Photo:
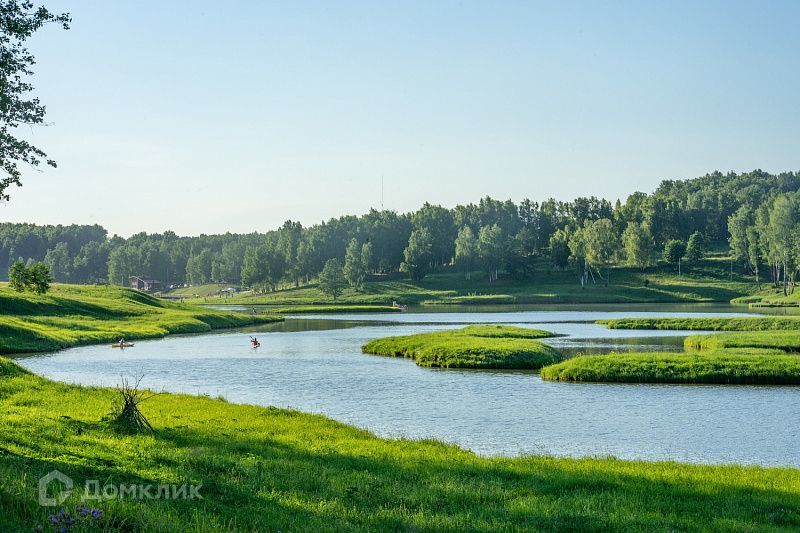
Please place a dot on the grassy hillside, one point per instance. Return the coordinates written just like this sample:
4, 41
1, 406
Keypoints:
709, 281
771, 297
266, 469
71, 315
489, 346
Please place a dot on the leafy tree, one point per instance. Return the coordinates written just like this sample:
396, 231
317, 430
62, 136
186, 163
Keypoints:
332, 281
255, 267
491, 249
354, 269
466, 250
601, 244
577, 252
674, 251
39, 278
18, 276
559, 249
753, 251
520, 253
19, 20
59, 262
418, 255
638, 243
367, 257
439, 225
696, 248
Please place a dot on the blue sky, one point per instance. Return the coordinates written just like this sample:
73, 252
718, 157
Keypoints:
206, 117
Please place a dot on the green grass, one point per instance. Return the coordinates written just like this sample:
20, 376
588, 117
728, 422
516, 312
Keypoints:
771, 297
323, 309
754, 350
71, 315
708, 281
786, 341
753, 366
707, 324
267, 469
488, 346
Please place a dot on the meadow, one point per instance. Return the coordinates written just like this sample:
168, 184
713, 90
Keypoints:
267, 469
708, 281
72, 315
487, 346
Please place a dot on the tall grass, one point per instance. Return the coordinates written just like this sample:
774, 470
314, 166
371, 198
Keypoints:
753, 366
267, 469
786, 341
487, 346
707, 324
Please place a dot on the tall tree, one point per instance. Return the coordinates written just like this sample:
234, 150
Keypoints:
19, 20
466, 250
601, 245
674, 251
638, 243
331, 280
418, 255
491, 249
696, 248
354, 269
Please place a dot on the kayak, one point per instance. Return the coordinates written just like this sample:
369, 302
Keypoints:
125, 345
255, 344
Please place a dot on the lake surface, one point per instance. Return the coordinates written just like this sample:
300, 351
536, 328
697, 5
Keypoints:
314, 363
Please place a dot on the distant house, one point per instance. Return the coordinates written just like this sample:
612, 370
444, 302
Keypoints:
144, 284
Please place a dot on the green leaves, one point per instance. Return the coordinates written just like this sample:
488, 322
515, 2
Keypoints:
18, 22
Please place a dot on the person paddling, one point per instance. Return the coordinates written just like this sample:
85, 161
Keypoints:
254, 342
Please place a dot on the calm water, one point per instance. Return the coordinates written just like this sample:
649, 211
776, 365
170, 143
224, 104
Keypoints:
315, 364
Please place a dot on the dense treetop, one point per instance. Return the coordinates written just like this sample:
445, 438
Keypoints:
756, 211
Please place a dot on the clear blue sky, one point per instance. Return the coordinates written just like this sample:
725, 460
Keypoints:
206, 117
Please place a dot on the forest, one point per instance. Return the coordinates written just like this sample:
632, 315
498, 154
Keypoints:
756, 214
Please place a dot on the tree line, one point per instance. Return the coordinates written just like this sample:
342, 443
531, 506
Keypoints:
755, 212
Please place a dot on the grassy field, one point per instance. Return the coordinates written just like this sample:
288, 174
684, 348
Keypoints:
71, 315
266, 469
709, 281
707, 324
486, 346
752, 366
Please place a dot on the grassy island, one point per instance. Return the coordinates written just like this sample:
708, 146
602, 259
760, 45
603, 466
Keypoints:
758, 351
71, 315
267, 469
753, 367
487, 346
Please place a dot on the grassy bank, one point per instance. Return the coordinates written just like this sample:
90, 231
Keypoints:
786, 341
265, 469
708, 281
471, 347
754, 367
71, 315
770, 297
707, 324
325, 309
